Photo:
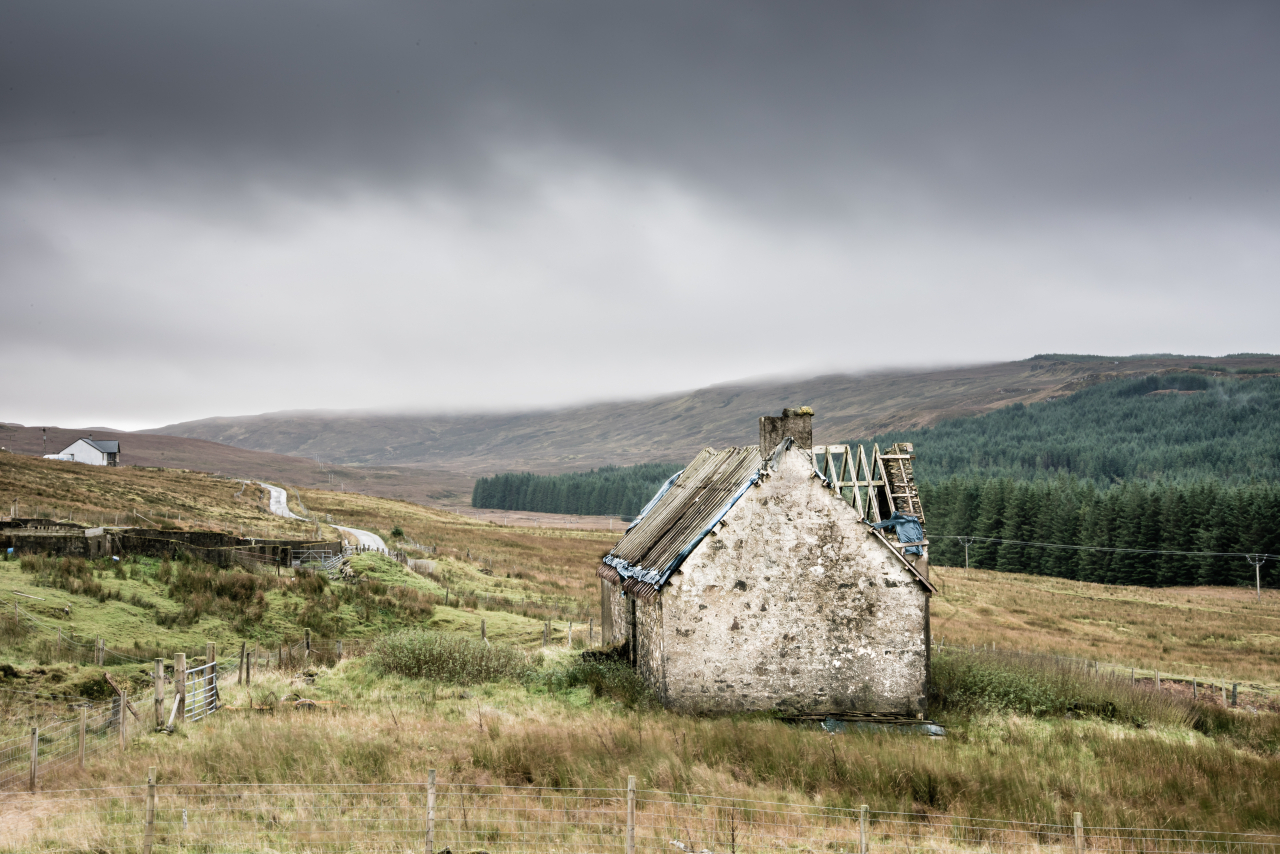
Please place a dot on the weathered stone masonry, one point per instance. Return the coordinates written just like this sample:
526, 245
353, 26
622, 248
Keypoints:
792, 604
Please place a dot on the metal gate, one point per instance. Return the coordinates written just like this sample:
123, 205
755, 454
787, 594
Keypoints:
202, 692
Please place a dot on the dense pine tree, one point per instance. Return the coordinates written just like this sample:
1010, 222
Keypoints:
1178, 517
1170, 427
609, 491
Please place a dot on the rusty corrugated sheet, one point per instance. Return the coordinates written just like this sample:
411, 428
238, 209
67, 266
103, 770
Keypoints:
645, 557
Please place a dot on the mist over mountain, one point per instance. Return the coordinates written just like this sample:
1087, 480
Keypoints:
677, 426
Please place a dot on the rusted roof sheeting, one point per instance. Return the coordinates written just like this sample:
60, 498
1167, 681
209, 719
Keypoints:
645, 557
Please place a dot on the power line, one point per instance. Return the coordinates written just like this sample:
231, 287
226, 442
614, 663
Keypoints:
1246, 555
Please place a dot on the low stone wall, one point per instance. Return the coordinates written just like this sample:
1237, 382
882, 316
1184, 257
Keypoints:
215, 547
86, 543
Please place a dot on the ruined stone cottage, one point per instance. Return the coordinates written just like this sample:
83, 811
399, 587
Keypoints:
781, 577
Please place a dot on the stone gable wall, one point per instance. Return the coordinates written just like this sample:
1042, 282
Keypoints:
792, 605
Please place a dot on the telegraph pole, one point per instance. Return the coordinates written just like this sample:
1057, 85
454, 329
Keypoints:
966, 541
1257, 561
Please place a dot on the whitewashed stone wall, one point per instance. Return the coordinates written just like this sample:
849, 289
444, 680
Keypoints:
791, 605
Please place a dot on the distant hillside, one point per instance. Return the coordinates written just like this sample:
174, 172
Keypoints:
1172, 427
678, 426
143, 449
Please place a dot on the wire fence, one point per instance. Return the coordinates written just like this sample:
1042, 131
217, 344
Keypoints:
89, 729
77, 730
441, 818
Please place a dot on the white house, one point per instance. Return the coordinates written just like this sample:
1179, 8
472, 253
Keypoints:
95, 452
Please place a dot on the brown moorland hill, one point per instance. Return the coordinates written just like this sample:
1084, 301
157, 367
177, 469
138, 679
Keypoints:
675, 427
176, 452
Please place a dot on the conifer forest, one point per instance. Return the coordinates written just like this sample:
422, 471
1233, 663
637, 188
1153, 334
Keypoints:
1177, 462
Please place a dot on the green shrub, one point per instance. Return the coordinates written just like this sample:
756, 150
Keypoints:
72, 574
607, 677
452, 658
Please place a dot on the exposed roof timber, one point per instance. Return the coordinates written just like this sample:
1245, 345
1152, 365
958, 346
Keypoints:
908, 564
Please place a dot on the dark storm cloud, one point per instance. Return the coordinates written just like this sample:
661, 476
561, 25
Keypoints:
234, 207
793, 107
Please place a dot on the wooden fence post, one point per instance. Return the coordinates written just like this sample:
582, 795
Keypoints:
591, 632
150, 834
1195, 689
124, 718
159, 681
257, 655
211, 657
35, 758
338, 649
240, 666
546, 628
180, 684
631, 815
1079, 821
1235, 690
1157, 680
568, 640
863, 847
84, 718
431, 811
484, 634
308, 650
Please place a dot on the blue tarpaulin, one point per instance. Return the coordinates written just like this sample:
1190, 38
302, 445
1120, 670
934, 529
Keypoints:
907, 528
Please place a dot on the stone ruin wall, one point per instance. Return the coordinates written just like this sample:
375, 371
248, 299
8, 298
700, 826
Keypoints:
792, 605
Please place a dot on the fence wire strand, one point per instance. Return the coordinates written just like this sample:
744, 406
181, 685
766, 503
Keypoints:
500, 819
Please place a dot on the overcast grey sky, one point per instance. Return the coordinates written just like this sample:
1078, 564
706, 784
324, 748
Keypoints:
233, 207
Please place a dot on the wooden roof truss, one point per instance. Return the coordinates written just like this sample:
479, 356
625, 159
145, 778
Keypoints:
885, 481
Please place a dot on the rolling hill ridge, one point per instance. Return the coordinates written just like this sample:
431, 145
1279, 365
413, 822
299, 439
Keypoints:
676, 427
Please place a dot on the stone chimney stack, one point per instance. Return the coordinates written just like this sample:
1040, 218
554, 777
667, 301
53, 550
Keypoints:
796, 423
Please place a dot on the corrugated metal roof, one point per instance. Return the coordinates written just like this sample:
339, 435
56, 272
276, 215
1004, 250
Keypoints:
662, 538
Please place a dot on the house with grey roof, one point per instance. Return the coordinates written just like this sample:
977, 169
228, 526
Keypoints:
94, 452
785, 577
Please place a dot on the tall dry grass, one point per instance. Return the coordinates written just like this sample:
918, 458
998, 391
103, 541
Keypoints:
1207, 632
389, 730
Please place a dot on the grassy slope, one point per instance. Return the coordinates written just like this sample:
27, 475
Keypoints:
99, 495
540, 573
544, 564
